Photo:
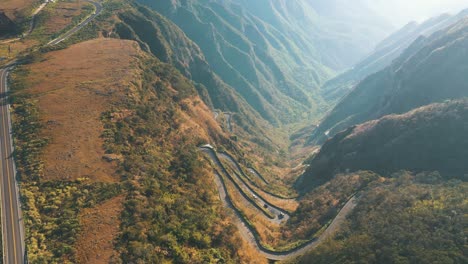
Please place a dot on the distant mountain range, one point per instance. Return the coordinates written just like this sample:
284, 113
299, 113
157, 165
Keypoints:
385, 52
432, 69
273, 54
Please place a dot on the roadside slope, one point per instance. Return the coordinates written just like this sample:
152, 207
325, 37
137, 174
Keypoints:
100, 126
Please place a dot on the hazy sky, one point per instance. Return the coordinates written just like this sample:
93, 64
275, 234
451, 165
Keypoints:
400, 12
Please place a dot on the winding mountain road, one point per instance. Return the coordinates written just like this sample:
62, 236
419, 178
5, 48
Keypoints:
247, 231
249, 198
280, 214
256, 174
72, 31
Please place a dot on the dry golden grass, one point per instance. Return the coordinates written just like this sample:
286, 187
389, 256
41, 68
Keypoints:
17, 4
199, 120
16, 47
100, 227
73, 87
250, 255
58, 16
61, 15
285, 204
13, 7
270, 233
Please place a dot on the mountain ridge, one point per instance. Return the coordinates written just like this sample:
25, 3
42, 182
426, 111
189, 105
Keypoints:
431, 70
273, 59
398, 142
385, 52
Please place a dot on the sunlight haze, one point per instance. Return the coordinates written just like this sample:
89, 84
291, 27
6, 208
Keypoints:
400, 12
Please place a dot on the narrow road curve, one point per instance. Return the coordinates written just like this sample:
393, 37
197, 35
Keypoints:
98, 10
281, 215
256, 173
12, 222
248, 198
247, 232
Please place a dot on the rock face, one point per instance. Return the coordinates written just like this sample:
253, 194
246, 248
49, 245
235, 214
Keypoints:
431, 138
7, 26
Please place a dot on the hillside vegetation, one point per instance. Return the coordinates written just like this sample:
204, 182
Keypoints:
14, 15
431, 138
123, 143
240, 50
407, 167
411, 218
111, 128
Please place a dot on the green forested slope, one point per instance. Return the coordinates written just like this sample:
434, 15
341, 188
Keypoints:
407, 219
275, 54
431, 138
162, 38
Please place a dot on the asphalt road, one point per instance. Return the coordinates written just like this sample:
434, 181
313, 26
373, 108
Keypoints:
12, 222
256, 173
248, 234
276, 211
98, 10
248, 198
